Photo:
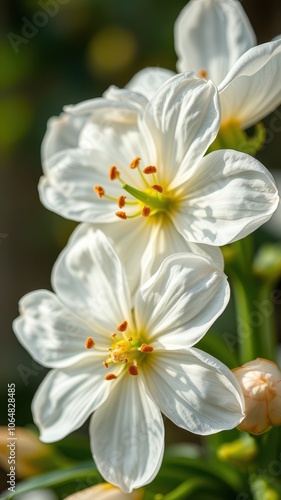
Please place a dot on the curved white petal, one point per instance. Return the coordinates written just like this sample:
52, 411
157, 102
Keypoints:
181, 301
130, 240
183, 119
252, 89
67, 397
195, 390
128, 95
147, 81
54, 335
229, 196
89, 278
211, 35
68, 188
127, 435
62, 133
164, 240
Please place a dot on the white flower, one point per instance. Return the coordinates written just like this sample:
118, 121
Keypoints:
214, 39
126, 360
260, 381
150, 156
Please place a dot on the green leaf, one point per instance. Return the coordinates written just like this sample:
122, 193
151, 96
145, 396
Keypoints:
86, 470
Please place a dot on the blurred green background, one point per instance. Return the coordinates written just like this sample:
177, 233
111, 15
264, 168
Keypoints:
75, 55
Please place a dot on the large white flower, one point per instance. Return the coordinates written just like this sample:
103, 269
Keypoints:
214, 39
145, 160
126, 360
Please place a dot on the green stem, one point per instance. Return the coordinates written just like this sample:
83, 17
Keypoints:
190, 486
267, 330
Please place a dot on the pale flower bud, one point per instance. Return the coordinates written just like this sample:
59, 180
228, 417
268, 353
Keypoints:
105, 491
260, 381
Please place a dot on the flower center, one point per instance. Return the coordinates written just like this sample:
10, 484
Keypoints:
126, 351
260, 385
149, 201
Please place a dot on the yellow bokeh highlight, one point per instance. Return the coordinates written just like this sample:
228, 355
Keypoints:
111, 50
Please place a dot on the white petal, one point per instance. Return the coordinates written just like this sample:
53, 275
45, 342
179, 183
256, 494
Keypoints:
89, 278
195, 390
127, 435
51, 333
129, 239
127, 95
181, 301
164, 240
211, 35
183, 119
252, 89
147, 81
62, 133
67, 397
229, 196
125, 110
68, 187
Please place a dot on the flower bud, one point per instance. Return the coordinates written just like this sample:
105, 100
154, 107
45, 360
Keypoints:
260, 381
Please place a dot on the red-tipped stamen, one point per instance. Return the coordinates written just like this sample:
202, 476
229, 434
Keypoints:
203, 73
133, 370
89, 343
158, 188
146, 348
110, 376
135, 163
123, 327
113, 173
121, 202
121, 215
145, 211
99, 190
150, 169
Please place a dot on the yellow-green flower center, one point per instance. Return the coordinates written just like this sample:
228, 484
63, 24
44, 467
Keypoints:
126, 351
151, 200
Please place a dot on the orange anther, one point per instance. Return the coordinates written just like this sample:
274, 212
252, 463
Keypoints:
202, 73
135, 163
99, 190
89, 343
110, 376
145, 211
150, 169
133, 370
146, 348
113, 173
157, 188
121, 215
105, 364
121, 201
123, 327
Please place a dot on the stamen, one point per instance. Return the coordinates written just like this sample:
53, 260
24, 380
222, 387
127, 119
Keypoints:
146, 348
123, 327
99, 190
121, 201
89, 343
135, 163
113, 173
114, 335
121, 215
110, 376
145, 211
203, 73
158, 188
133, 370
150, 169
